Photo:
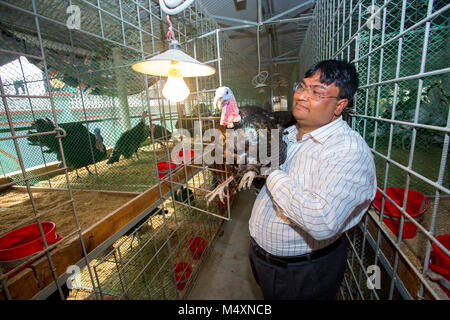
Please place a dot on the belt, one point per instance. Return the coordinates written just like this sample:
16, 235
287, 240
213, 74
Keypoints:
283, 261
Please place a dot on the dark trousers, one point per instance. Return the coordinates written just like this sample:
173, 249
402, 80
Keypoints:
313, 279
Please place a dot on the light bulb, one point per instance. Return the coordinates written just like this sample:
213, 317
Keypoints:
175, 88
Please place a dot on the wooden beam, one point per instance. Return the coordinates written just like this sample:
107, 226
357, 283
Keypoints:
46, 189
22, 282
28, 283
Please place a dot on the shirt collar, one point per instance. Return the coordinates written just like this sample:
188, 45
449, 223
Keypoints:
320, 134
290, 134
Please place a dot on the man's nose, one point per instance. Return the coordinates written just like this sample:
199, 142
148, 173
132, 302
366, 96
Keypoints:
301, 95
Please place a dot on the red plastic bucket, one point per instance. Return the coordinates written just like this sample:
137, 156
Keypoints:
439, 261
416, 205
163, 168
182, 273
25, 241
197, 245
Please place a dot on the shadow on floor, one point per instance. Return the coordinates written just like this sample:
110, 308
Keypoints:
226, 274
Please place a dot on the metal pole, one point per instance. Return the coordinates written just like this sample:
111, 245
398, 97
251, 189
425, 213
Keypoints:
219, 67
271, 70
303, 5
121, 89
64, 25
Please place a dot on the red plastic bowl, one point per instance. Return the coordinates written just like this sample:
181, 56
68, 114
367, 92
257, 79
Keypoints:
188, 154
163, 169
182, 273
197, 245
222, 206
25, 241
439, 261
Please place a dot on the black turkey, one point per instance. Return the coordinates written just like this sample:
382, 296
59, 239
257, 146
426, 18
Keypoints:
254, 127
81, 147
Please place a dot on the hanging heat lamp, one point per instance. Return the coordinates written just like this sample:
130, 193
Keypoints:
175, 65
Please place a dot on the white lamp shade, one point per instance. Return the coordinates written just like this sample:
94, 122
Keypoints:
159, 65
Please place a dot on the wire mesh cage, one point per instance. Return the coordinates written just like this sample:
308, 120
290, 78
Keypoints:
90, 144
401, 109
87, 144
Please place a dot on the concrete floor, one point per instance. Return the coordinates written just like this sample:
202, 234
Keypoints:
226, 273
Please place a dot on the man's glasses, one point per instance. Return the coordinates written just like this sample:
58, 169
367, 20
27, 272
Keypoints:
311, 92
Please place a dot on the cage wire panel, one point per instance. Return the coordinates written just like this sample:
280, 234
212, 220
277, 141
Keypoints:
82, 134
401, 108
70, 100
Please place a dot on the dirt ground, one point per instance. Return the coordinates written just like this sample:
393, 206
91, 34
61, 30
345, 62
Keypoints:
91, 206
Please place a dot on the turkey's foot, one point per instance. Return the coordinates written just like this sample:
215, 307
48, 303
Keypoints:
218, 191
247, 180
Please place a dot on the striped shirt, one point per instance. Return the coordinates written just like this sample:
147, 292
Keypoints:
322, 189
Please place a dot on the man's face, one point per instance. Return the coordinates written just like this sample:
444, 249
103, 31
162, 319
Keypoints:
313, 113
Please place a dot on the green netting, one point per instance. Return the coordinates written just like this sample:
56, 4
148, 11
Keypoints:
87, 86
94, 89
117, 125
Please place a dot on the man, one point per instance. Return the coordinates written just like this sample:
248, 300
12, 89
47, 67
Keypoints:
326, 184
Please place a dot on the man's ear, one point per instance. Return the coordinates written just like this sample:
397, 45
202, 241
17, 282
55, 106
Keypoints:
342, 103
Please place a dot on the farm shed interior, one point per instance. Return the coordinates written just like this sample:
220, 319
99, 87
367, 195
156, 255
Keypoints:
136, 230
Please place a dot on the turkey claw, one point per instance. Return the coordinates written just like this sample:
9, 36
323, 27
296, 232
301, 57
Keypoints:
247, 180
218, 191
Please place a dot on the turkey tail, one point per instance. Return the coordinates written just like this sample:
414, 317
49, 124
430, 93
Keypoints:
49, 141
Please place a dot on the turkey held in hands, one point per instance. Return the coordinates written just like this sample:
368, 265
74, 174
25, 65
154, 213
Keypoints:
255, 127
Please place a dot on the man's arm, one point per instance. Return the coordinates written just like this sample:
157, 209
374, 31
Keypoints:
345, 184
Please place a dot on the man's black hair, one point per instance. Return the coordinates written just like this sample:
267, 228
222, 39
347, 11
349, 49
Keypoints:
342, 73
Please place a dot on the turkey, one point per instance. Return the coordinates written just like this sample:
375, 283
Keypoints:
254, 126
81, 148
159, 133
130, 141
